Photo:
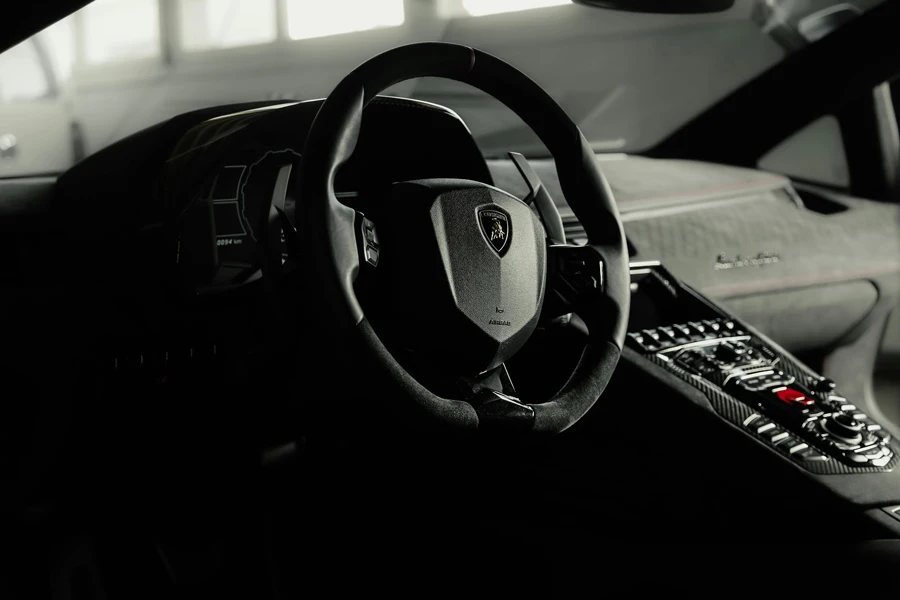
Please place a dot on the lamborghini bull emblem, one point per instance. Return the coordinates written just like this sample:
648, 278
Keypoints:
496, 228
497, 231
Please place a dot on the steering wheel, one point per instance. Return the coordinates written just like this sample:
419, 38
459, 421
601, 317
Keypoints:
467, 270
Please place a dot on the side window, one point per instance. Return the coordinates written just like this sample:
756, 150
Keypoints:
22, 78
815, 153
34, 125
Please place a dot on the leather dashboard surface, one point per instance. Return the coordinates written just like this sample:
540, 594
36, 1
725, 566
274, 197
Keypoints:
643, 184
745, 238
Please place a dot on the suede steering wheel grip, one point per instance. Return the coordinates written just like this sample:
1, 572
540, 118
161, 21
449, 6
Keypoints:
329, 227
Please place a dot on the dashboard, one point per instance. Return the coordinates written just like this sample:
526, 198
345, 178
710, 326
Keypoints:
211, 193
200, 206
220, 185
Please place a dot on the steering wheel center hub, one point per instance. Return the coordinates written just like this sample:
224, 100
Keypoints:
465, 266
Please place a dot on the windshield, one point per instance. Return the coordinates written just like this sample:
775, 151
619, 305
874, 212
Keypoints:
628, 79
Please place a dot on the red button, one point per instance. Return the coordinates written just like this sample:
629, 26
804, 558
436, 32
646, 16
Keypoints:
792, 396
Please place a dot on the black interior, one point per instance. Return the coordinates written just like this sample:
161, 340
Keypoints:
189, 421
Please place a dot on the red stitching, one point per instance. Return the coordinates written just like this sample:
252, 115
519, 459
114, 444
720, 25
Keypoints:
790, 283
711, 190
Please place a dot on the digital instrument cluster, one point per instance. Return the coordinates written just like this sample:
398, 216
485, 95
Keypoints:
242, 198
232, 224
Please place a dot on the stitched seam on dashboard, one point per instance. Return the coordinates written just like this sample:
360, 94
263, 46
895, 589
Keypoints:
400, 104
715, 189
790, 283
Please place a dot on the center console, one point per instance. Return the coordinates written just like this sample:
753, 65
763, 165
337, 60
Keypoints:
751, 382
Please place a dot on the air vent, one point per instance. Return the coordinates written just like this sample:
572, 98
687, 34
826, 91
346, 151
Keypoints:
819, 202
575, 233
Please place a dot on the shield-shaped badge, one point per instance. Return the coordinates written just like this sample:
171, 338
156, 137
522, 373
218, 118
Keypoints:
496, 228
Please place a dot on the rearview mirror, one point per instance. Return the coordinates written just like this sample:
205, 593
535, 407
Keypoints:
676, 7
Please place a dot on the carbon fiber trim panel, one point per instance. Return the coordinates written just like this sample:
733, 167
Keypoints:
736, 412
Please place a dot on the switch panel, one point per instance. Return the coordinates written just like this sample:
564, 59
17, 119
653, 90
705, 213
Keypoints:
801, 415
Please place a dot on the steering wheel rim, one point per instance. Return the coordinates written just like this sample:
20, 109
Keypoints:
330, 230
